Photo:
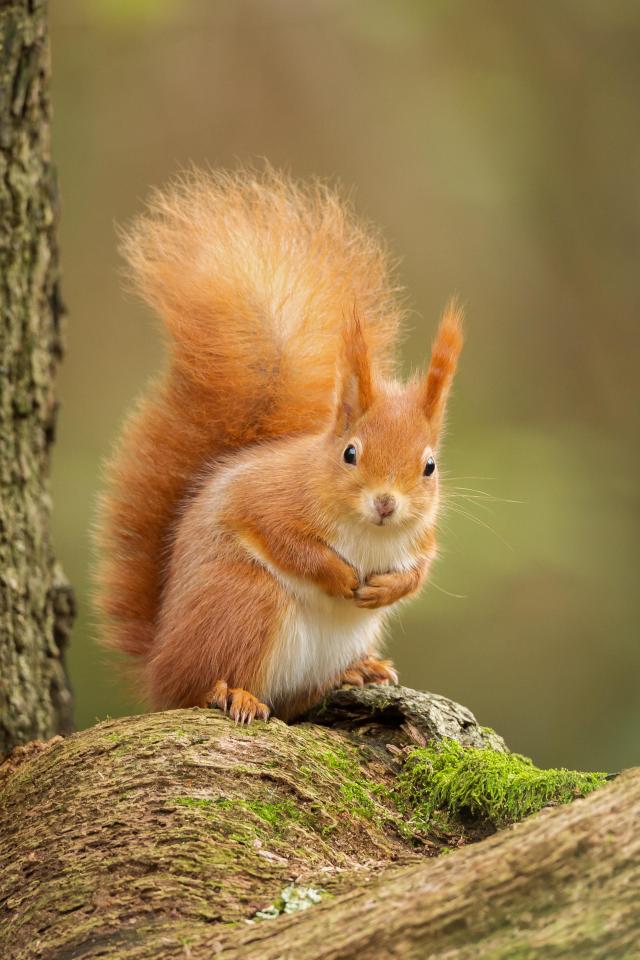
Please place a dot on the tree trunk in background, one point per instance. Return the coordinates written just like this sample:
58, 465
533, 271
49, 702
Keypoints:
36, 604
179, 836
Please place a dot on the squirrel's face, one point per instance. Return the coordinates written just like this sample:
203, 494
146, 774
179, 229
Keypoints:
385, 464
385, 436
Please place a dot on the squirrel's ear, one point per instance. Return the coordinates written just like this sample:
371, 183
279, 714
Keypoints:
444, 360
356, 389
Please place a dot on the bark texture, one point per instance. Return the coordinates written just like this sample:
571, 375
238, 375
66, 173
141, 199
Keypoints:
564, 884
36, 605
171, 835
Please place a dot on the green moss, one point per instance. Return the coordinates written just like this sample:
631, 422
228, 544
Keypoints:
339, 758
201, 802
360, 796
254, 729
499, 787
278, 815
359, 800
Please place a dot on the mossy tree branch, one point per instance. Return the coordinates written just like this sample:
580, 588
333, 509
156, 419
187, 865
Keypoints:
166, 835
564, 884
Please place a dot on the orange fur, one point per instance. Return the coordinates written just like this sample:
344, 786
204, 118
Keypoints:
233, 527
444, 361
370, 670
252, 276
356, 388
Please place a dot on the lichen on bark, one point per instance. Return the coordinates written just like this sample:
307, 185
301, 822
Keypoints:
36, 604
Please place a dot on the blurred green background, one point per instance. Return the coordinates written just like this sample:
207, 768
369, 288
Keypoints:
497, 144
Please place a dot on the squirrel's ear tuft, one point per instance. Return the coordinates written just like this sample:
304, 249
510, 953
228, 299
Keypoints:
444, 360
356, 388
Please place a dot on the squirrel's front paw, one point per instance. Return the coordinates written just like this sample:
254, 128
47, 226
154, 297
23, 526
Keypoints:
370, 670
340, 580
241, 705
381, 589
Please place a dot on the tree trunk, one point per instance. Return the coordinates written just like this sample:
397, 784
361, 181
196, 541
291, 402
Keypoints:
36, 605
180, 835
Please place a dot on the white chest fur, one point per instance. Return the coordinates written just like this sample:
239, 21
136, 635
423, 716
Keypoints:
372, 549
320, 636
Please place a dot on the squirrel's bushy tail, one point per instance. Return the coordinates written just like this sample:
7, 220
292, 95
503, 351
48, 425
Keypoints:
254, 277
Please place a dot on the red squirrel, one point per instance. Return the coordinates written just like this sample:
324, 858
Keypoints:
274, 495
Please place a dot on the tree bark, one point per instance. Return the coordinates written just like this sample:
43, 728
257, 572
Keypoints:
36, 605
173, 835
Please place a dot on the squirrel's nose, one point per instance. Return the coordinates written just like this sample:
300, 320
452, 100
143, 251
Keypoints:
385, 504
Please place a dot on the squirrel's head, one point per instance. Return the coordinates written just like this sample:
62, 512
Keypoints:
385, 438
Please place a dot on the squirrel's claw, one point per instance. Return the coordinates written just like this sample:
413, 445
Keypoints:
218, 696
241, 705
370, 670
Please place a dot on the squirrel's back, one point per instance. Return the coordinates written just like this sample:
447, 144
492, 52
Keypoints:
254, 277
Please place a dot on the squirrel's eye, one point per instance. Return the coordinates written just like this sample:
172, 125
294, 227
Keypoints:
429, 467
350, 455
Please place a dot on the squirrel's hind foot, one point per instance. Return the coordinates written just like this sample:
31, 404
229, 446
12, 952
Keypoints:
241, 705
369, 670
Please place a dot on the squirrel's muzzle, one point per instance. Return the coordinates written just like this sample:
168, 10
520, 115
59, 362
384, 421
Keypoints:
385, 505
